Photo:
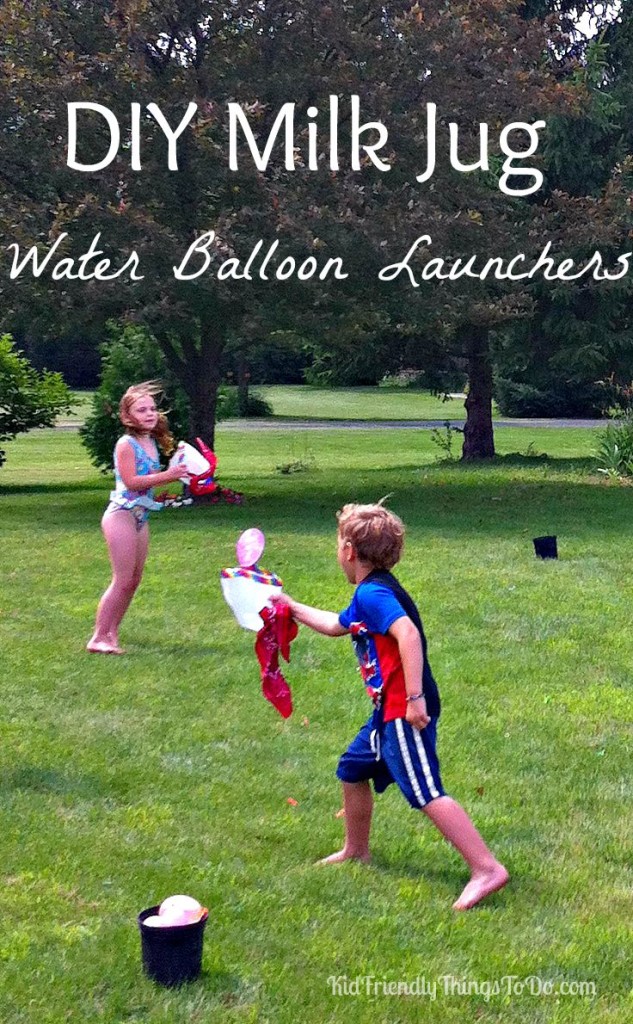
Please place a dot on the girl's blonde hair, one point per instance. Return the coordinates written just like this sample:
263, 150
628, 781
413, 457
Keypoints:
375, 533
161, 432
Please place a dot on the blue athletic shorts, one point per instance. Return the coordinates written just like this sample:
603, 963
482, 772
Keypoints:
395, 752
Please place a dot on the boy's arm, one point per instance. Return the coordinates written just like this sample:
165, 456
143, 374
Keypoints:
404, 631
318, 619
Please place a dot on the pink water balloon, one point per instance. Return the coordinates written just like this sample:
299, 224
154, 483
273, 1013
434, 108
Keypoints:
249, 547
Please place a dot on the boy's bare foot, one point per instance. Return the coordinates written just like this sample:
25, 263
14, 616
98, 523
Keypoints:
341, 855
482, 884
103, 647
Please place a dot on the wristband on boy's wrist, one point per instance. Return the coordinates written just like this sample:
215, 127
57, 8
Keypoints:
415, 696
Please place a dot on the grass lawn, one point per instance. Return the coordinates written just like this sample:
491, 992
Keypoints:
304, 402
81, 408
388, 403
124, 780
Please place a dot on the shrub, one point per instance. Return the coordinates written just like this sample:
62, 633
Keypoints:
229, 406
28, 399
445, 438
404, 379
561, 398
341, 369
131, 355
615, 446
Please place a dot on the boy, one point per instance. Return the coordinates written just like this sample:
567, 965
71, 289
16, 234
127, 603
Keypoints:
398, 743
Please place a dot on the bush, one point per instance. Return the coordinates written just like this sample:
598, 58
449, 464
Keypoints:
229, 407
341, 369
414, 379
28, 399
615, 446
560, 399
130, 356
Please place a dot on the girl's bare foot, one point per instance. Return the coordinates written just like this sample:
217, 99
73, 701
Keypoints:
482, 884
338, 858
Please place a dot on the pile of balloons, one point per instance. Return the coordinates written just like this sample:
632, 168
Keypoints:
176, 911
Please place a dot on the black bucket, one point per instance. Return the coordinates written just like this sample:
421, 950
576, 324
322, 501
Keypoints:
545, 547
172, 956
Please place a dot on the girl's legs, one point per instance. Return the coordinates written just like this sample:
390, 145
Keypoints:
127, 547
487, 874
142, 547
358, 804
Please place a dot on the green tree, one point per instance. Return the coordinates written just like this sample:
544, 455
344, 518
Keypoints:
477, 62
28, 399
582, 333
130, 355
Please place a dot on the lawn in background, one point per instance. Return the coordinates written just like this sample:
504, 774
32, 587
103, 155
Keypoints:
304, 402
80, 409
301, 401
377, 403
127, 779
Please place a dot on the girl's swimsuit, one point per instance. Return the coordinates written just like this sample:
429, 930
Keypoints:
139, 503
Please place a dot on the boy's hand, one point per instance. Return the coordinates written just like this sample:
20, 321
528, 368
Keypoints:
417, 715
282, 598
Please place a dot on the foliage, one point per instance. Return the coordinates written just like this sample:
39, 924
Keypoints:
357, 369
482, 64
300, 456
556, 398
592, 133
581, 332
279, 358
75, 356
406, 378
229, 404
130, 356
28, 399
615, 446
445, 438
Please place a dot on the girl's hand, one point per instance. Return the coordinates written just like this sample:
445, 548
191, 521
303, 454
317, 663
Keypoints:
174, 473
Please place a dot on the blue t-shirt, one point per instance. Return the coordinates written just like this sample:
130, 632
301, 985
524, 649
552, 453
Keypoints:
378, 602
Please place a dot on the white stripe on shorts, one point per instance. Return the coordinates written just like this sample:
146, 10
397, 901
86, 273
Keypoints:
424, 761
406, 757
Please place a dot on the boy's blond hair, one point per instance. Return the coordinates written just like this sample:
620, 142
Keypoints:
375, 533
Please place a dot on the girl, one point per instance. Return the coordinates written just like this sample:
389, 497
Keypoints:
124, 523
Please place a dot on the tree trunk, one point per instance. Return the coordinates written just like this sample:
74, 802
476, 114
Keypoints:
243, 381
478, 433
196, 366
202, 391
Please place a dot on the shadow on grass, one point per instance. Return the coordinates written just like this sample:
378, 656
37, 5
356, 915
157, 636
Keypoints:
176, 648
457, 501
497, 498
451, 878
49, 780
227, 988
584, 465
452, 875
54, 488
